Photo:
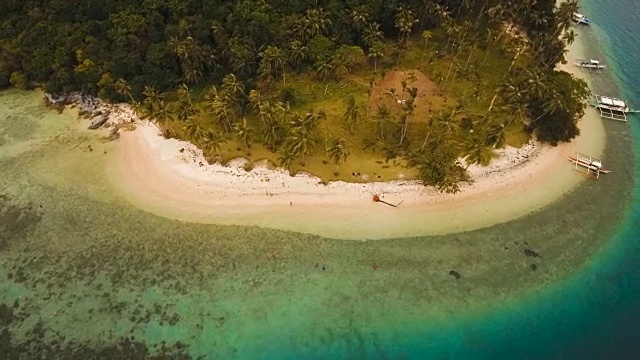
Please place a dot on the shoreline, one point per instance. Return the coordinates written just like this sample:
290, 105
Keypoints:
153, 174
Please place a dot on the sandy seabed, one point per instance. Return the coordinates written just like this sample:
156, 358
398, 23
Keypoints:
171, 178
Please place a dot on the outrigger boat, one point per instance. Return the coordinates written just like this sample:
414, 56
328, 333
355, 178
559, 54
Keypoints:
581, 19
99, 121
590, 64
612, 108
587, 165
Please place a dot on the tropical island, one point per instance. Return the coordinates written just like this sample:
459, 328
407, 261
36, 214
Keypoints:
412, 89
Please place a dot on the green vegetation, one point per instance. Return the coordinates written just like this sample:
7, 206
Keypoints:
390, 89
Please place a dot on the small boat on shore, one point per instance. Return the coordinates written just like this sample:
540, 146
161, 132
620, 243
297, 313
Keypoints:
612, 108
590, 64
587, 165
99, 121
581, 19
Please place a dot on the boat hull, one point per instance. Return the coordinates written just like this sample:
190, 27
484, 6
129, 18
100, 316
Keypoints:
590, 66
626, 110
98, 122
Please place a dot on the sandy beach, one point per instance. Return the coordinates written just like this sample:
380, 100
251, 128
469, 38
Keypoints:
170, 178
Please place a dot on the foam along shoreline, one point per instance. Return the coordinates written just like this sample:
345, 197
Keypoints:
171, 178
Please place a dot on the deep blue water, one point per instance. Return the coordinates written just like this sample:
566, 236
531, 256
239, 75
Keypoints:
595, 314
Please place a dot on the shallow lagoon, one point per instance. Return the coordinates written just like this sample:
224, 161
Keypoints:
101, 275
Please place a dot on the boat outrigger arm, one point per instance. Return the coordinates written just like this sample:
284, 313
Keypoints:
587, 165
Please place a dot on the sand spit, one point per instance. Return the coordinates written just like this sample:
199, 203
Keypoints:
171, 178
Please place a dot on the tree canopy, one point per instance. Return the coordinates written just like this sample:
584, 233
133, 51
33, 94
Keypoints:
68, 45
176, 60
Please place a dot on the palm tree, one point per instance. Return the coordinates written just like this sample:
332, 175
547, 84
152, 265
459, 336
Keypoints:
255, 99
569, 37
519, 111
222, 111
496, 134
151, 97
213, 142
512, 92
193, 130
564, 14
300, 144
162, 114
123, 88
286, 158
308, 123
338, 67
297, 54
272, 64
316, 22
232, 88
244, 134
430, 123
408, 109
353, 114
338, 151
323, 69
382, 117
283, 111
375, 53
404, 22
372, 34
477, 151
192, 75
442, 124
535, 83
358, 18
426, 35
271, 128
185, 104
185, 110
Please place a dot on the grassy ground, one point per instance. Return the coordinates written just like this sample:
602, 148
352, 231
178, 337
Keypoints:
428, 73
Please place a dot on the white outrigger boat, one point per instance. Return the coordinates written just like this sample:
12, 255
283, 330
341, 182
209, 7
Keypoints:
587, 165
612, 108
581, 19
590, 64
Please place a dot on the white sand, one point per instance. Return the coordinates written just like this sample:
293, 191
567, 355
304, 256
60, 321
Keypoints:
156, 176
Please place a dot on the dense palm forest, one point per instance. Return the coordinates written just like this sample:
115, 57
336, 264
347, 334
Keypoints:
269, 71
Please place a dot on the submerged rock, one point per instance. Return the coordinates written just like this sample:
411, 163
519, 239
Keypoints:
455, 274
531, 253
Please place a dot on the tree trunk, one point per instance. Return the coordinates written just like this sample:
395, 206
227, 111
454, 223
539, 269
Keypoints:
492, 101
466, 66
448, 73
302, 161
426, 139
335, 169
424, 50
405, 127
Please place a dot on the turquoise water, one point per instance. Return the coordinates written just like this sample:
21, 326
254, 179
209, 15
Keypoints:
595, 313
103, 279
